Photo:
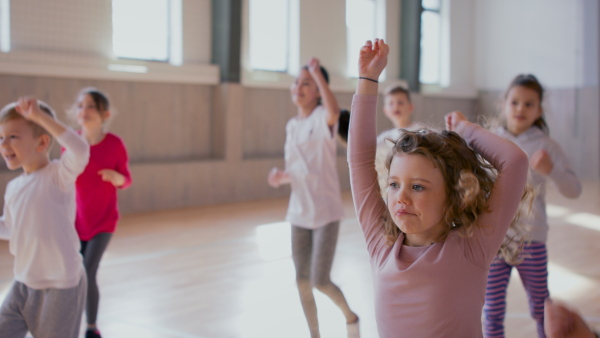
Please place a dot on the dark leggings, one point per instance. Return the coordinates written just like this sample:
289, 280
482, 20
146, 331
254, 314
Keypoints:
92, 252
313, 251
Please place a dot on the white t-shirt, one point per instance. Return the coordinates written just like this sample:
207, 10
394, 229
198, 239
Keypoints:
311, 162
39, 220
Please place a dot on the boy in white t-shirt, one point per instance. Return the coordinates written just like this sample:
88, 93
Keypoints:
398, 108
48, 293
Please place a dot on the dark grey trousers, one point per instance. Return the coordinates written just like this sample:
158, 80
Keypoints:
92, 252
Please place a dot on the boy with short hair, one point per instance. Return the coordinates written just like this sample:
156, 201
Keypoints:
398, 108
48, 294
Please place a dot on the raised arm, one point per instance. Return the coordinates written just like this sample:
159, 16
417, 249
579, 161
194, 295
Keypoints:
328, 99
362, 145
512, 166
77, 151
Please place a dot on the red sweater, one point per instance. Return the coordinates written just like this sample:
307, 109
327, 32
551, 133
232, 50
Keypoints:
97, 209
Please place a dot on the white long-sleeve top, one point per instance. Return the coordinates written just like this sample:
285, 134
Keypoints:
562, 175
39, 219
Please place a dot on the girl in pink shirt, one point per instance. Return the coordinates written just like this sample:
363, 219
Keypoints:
446, 215
96, 190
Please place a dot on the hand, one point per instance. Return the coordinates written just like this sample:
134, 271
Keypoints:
453, 119
373, 59
275, 177
28, 107
112, 176
314, 67
561, 322
541, 162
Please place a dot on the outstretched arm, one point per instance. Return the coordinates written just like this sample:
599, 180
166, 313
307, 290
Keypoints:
75, 157
278, 177
329, 101
362, 145
29, 108
512, 166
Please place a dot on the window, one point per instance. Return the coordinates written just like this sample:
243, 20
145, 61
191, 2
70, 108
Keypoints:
430, 42
269, 35
360, 27
147, 30
4, 26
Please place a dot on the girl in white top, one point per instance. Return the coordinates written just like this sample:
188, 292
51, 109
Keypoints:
315, 207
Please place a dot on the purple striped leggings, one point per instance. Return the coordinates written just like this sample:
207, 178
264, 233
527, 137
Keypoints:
534, 275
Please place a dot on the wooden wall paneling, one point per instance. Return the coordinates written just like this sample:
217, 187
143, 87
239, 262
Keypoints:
265, 115
192, 145
433, 110
253, 185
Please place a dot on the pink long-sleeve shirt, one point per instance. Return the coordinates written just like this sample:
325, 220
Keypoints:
97, 208
436, 290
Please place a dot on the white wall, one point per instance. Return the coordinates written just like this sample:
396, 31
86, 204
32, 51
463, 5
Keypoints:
542, 37
557, 41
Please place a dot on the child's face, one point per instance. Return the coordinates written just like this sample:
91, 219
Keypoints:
304, 90
18, 146
397, 108
87, 112
521, 109
416, 198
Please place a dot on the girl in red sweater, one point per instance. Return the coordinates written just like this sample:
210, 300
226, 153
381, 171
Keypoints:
96, 190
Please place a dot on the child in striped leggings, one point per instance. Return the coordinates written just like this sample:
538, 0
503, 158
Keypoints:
525, 126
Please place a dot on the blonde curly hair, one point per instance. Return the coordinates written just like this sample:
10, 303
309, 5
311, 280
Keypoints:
469, 180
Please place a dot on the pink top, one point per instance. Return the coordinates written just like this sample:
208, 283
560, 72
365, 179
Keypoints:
97, 209
436, 290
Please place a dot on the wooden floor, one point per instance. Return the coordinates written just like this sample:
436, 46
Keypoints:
226, 271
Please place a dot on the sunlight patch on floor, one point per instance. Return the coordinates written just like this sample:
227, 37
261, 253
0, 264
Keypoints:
274, 240
566, 284
555, 211
584, 219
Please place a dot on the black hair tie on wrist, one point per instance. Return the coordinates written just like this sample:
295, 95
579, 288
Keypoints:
366, 78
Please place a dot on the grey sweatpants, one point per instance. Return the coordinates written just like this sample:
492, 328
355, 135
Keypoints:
313, 251
47, 313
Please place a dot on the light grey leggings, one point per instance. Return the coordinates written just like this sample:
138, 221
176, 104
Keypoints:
92, 252
312, 251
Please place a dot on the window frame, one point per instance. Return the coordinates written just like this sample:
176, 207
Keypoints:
174, 36
438, 12
286, 68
